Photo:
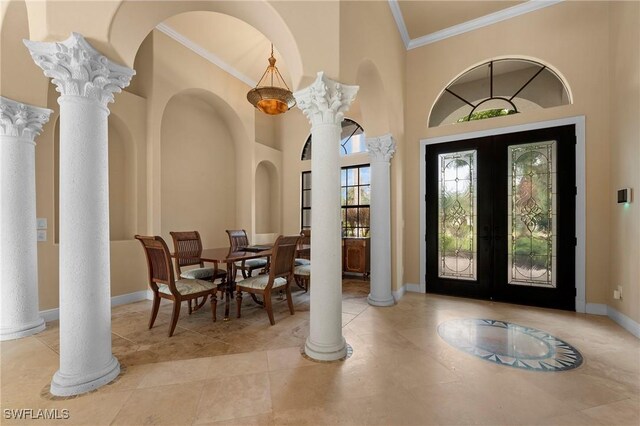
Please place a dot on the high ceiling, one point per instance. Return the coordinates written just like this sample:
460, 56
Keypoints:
234, 42
243, 51
426, 17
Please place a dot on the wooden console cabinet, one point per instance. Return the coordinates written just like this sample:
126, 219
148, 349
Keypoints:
355, 255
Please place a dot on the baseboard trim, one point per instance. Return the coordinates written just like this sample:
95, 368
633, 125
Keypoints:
54, 314
413, 287
596, 308
624, 321
397, 294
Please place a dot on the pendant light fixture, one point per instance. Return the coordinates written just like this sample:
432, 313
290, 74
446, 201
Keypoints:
271, 99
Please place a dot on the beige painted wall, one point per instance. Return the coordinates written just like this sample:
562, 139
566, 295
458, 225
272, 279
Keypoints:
573, 37
267, 214
624, 58
197, 151
373, 56
20, 78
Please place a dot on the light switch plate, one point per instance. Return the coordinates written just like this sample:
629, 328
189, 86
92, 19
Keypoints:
42, 235
41, 223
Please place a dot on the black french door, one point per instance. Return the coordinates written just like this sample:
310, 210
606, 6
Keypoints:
500, 217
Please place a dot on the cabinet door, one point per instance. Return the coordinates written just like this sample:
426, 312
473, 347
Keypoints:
354, 259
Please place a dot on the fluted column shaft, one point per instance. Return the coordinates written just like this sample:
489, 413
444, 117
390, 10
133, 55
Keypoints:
324, 103
19, 125
86, 81
381, 149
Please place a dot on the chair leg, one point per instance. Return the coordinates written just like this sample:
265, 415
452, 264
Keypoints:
239, 301
245, 275
174, 317
214, 305
289, 300
154, 309
299, 281
268, 307
255, 299
190, 308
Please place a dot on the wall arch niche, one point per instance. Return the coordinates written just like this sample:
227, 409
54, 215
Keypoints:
198, 157
373, 99
122, 181
499, 87
267, 199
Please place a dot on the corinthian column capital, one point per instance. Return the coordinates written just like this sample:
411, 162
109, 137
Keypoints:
80, 70
325, 101
381, 148
21, 120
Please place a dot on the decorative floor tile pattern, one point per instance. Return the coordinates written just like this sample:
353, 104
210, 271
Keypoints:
511, 345
400, 371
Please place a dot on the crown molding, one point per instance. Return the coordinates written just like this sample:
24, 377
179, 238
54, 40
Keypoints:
402, 27
201, 51
474, 24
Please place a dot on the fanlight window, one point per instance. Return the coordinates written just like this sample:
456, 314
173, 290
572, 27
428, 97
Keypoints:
351, 140
497, 88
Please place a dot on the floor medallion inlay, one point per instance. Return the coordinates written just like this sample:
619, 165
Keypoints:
509, 344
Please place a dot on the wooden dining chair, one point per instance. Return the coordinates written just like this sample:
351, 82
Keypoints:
305, 256
302, 275
279, 277
164, 285
187, 249
238, 239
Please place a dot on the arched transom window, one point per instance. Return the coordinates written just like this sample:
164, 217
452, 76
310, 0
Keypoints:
351, 140
496, 88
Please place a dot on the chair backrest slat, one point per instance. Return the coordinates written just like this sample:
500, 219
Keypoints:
158, 261
188, 249
237, 238
282, 256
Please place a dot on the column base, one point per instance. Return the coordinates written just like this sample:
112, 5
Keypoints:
23, 330
390, 301
63, 385
325, 353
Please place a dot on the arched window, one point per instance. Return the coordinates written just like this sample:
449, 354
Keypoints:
496, 88
351, 140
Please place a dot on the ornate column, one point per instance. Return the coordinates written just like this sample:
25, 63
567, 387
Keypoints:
381, 149
19, 125
324, 103
86, 81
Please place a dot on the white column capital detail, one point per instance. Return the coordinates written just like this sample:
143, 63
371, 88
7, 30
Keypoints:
381, 148
325, 101
21, 120
77, 69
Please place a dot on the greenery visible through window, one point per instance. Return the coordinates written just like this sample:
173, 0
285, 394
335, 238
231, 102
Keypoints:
496, 88
355, 195
488, 113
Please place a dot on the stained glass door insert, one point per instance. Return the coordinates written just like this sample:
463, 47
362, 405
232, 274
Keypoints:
531, 218
457, 215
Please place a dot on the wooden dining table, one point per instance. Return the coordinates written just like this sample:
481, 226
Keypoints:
226, 255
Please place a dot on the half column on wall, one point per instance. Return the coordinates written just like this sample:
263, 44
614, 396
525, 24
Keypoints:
19, 125
324, 103
86, 81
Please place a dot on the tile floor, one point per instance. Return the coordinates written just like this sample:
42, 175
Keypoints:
401, 372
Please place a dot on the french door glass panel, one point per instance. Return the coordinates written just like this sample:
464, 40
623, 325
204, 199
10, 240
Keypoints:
457, 215
532, 226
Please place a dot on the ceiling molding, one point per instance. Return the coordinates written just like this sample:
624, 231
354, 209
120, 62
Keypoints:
209, 56
474, 24
402, 27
